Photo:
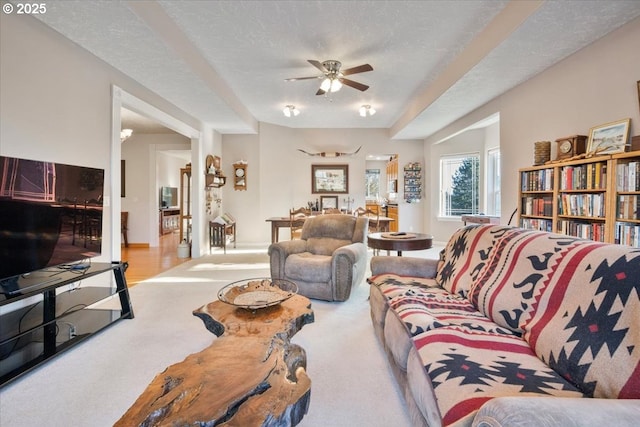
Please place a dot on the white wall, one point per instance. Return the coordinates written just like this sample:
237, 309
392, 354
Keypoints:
593, 86
279, 176
56, 105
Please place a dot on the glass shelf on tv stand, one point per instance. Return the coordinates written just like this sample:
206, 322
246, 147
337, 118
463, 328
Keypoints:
55, 319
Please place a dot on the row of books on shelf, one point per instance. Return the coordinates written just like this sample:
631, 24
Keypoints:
593, 231
590, 205
537, 224
628, 176
539, 206
537, 180
584, 177
627, 234
629, 206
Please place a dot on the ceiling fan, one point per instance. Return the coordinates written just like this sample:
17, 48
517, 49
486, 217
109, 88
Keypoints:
333, 78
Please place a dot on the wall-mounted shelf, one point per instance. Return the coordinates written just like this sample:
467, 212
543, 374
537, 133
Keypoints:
213, 176
215, 180
413, 182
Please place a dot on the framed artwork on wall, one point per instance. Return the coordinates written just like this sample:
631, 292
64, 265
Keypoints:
330, 179
328, 202
609, 138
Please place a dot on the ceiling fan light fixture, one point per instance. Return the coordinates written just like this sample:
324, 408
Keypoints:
326, 84
290, 110
367, 110
331, 84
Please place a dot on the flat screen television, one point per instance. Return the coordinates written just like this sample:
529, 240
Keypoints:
168, 197
50, 217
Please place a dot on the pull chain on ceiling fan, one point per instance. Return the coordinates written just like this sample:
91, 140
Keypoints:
332, 78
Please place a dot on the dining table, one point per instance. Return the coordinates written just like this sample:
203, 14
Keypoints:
278, 222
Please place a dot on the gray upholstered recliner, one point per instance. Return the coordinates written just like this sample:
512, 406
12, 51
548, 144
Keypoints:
327, 261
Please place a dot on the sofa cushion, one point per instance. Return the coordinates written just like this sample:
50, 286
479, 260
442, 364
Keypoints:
468, 367
586, 324
422, 307
465, 255
519, 267
576, 301
308, 267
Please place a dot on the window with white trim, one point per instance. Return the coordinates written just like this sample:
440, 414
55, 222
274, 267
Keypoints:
372, 184
493, 182
459, 185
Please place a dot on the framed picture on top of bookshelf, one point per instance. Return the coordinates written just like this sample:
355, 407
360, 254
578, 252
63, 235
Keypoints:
609, 138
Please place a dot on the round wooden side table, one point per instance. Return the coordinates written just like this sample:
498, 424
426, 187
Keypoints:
400, 242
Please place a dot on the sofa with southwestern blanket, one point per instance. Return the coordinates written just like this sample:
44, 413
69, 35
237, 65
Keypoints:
513, 327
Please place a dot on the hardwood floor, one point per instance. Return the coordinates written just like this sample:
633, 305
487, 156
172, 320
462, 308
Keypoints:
146, 262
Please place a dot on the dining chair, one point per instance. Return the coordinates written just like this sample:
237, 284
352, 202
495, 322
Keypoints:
374, 218
297, 218
359, 211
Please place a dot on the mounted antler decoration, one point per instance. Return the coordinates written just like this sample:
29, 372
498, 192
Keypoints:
330, 154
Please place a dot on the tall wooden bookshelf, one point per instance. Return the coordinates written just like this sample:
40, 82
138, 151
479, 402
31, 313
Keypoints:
596, 198
626, 199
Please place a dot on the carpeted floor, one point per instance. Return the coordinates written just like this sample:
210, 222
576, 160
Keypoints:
96, 382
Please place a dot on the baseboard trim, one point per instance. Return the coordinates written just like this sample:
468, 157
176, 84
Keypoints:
136, 245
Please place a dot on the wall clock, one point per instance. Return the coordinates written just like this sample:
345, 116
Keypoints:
240, 176
570, 146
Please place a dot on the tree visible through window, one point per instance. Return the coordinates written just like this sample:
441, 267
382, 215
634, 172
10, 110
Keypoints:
459, 185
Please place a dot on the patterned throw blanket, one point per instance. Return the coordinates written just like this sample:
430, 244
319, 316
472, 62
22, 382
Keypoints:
515, 312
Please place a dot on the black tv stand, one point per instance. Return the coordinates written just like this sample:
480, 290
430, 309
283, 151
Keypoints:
50, 319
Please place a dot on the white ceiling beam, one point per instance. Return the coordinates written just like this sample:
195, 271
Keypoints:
173, 37
498, 30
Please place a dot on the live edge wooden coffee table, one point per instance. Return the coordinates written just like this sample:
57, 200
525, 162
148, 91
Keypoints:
251, 375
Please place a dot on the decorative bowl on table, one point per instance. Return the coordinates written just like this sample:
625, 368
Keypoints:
253, 294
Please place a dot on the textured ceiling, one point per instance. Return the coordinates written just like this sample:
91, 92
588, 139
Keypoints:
225, 62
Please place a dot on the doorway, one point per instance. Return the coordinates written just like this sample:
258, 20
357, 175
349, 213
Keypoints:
381, 191
148, 197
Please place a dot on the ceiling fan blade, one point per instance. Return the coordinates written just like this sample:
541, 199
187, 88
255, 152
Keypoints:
320, 92
359, 69
293, 79
317, 64
353, 84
